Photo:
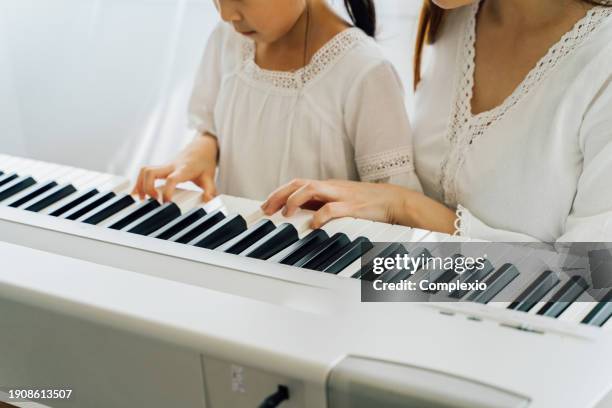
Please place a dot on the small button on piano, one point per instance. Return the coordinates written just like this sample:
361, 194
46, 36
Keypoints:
142, 303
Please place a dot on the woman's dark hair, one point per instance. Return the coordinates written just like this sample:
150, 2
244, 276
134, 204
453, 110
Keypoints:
363, 15
430, 22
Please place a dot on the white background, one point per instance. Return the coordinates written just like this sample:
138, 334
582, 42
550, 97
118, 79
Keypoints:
104, 84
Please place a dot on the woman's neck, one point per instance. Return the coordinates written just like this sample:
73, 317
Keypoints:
532, 14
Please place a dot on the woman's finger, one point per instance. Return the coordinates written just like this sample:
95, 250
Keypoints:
312, 191
329, 212
279, 197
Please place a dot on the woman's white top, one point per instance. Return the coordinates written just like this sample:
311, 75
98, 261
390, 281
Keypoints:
538, 167
342, 116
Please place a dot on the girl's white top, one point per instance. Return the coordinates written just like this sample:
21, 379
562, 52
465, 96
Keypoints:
343, 116
537, 167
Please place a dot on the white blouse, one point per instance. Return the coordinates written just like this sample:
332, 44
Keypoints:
342, 116
536, 168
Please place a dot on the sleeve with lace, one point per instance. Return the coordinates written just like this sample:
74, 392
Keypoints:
590, 219
591, 216
377, 124
206, 85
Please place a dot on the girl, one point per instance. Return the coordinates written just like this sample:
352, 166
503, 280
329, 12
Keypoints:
288, 89
512, 126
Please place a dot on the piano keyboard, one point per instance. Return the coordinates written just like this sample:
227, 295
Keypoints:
237, 226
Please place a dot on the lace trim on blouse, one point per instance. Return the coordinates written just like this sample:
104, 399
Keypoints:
460, 222
321, 60
385, 164
464, 128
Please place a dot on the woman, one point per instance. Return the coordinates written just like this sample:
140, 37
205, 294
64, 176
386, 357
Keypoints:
512, 129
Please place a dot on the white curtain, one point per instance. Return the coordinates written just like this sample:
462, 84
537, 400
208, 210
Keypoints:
104, 84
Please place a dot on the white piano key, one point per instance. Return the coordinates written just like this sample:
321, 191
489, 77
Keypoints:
440, 237
413, 235
28, 166
97, 180
391, 234
88, 179
337, 225
14, 163
579, 309
188, 200
357, 228
300, 220
66, 175
249, 209
116, 184
4, 160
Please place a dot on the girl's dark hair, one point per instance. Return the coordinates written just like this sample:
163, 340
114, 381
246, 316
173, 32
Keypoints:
430, 22
363, 15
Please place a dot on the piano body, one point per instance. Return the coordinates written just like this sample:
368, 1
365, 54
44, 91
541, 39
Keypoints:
133, 304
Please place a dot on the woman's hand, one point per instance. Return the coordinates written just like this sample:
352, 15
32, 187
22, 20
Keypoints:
377, 202
196, 163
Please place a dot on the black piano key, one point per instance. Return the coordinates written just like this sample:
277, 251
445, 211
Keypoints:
366, 271
561, 300
248, 237
471, 276
155, 220
600, 313
38, 191
198, 228
179, 224
324, 252
88, 205
141, 209
350, 254
351, 248
17, 185
495, 284
299, 249
7, 178
273, 243
78, 200
535, 292
222, 232
51, 197
109, 209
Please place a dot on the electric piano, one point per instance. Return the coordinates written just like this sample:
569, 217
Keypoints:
137, 303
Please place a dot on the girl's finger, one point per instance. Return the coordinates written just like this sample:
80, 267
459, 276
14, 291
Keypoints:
279, 197
209, 187
172, 181
329, 212
152, 174
137, 186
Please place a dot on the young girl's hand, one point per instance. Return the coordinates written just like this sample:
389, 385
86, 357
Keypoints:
377, 202
196, 163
